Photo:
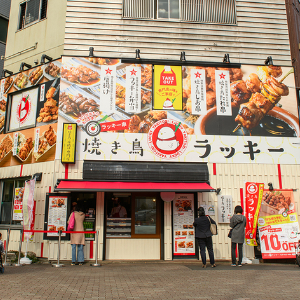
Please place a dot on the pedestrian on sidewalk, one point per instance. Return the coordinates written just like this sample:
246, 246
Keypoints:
1, 244
204, 237
78, 239
238, 224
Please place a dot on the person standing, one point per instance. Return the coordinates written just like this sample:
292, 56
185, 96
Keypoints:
78, 239
237, 223
204, 237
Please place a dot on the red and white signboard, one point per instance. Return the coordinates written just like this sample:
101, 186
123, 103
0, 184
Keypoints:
278, 224
254, 192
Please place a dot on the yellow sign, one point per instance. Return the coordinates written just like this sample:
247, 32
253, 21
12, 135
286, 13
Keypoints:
167, 87
69, 143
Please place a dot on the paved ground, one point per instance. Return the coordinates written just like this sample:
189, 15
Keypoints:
151, 280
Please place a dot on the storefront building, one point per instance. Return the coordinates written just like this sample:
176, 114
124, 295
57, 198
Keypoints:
143, 139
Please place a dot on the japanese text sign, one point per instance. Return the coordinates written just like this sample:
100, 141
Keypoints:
133, 89
254, 193
167, 87
69, 143
223, 98
225, 208
198, 91
108, 88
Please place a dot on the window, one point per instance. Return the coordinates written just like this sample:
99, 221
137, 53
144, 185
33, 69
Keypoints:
32, 11
200, 11
3, 29
135, 215
6, 207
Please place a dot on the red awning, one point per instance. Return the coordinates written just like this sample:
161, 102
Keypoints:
107, 186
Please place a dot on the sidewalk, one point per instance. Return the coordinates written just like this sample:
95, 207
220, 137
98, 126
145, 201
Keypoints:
151, 280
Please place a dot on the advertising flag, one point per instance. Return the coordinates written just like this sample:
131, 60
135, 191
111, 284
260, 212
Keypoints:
254, 193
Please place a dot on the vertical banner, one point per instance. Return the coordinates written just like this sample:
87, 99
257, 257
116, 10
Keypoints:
18, 204
183, 219
254, 194
133, 89
198, 91
28, 207
68, 152
278, 224
108, 88
223, 98
2, 82
225, 208
167, 87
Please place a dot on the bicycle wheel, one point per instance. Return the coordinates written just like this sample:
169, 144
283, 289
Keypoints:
298, 260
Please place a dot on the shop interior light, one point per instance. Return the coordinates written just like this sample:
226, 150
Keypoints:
91, 54
45, 56
137, 54
218, 190
269, 61
10, 73
22, 65
226, 58
182, 56
270, 186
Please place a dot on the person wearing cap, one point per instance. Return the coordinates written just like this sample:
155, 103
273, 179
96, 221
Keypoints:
204, 237
118, 211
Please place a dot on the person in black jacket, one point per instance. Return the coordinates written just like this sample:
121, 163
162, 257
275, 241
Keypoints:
204, 237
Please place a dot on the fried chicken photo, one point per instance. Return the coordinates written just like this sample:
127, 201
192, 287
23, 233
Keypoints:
50, 136
3, 105
50, 110
26, 149
52, 70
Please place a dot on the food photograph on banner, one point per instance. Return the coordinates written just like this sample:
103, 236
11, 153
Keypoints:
29, 114
148, 112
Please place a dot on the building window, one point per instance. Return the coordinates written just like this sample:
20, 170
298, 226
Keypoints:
32, 11
7, 203
200, 11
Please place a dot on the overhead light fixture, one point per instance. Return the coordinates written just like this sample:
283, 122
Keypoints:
218, 190
45, 56
10, 73
226, 58
269, 61
137, 54
270, 186
22, 65
91, 54
182, 56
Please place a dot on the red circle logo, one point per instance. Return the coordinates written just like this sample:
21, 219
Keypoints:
23, 110
167, 139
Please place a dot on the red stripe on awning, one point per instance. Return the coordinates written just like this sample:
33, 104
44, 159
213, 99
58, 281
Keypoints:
106, 186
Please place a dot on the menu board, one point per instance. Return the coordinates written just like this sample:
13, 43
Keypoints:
183, 219
18, 204
57, 214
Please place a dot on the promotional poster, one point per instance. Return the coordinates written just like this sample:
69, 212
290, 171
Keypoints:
278, 224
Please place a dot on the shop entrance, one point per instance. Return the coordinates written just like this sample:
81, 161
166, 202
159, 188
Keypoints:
133, 225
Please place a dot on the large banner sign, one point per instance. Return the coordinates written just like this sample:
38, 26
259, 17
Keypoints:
254, 193
278, 224
145, 112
